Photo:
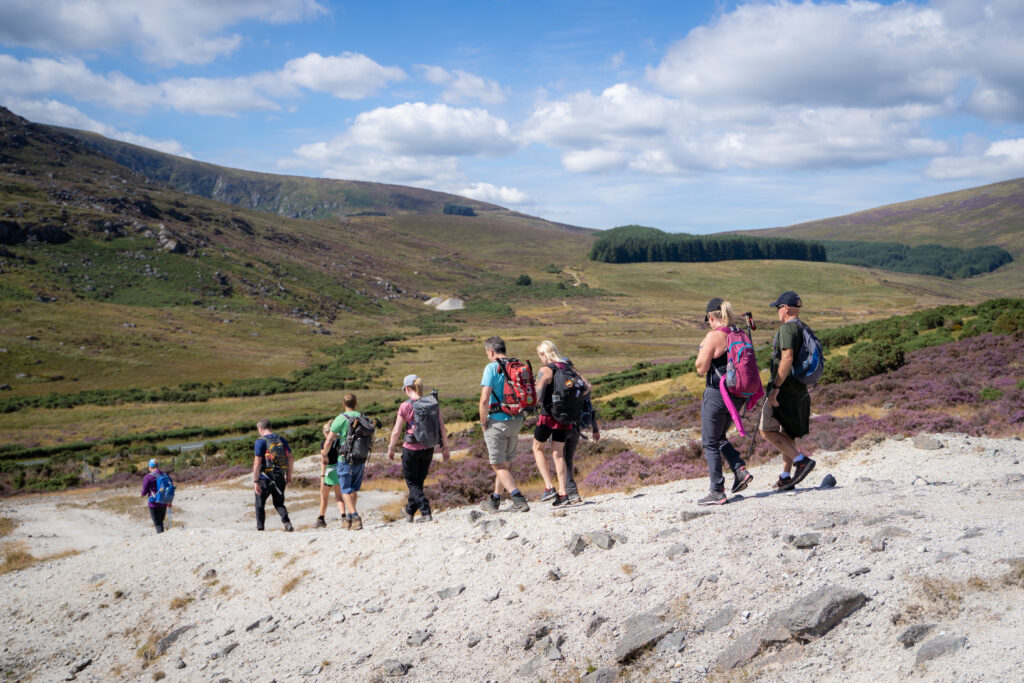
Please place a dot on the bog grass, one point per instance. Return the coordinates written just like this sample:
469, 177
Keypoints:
7, 525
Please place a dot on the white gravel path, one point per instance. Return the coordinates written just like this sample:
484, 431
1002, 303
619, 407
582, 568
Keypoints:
356, 597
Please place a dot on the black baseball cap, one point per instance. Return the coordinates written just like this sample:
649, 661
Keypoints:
713, 307
787, 299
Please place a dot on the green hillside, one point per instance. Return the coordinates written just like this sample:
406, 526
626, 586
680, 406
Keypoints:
975, 217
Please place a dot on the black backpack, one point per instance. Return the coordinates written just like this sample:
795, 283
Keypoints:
275, 459
568, 394
426, 421
360, 439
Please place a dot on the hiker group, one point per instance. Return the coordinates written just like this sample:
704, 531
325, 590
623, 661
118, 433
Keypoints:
562, 398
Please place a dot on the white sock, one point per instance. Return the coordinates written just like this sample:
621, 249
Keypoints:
785, 475
799, 458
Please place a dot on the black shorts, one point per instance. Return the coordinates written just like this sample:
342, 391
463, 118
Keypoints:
542, 433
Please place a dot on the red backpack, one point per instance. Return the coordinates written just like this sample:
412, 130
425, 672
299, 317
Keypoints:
520, 390
742, 378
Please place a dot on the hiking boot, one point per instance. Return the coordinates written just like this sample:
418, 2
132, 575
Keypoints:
547, 495
783, 483
346, 522
519, 504
288, 526
320, 523
560, 500
714, 498
741, 480
574, 499
488, 504
426, 517
357, 522
802, 469
409, 516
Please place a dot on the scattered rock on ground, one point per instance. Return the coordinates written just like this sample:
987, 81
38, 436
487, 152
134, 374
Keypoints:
936, 647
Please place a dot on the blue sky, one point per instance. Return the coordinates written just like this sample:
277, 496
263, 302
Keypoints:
685, 115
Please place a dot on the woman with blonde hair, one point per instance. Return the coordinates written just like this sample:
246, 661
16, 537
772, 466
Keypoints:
329, 477
712, 362
561, 405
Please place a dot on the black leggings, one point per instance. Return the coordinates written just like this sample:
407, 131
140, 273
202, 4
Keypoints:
157, 515
415, 468
572, 440
274, 489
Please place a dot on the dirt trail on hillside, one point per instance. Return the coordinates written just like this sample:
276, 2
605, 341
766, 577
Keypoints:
644, 585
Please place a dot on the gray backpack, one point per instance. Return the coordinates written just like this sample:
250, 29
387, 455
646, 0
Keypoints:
426, 422
356, 448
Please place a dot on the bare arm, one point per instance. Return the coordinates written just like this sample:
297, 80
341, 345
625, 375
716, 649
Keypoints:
256, 473
396, 434
785, 365
709, 349
291, 461
445, 453
485, 405
544, 378
328, 444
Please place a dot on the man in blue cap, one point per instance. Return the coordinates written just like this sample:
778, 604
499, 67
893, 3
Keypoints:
786, 414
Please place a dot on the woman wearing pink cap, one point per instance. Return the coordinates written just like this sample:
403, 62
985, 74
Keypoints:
419, 418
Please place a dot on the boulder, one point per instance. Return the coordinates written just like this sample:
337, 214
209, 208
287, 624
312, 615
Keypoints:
605, 674
601, 539
912, 635
816, 614
926, 443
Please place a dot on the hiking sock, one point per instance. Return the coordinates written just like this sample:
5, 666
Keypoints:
514, 493
495, 497
785, 475
800, 457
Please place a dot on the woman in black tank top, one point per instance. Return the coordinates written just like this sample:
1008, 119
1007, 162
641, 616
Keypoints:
712, 361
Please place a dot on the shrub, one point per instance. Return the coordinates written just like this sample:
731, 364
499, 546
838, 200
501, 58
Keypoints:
524, 280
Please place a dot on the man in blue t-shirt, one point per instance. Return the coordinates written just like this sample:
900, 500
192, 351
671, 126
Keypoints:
271, 472
501, 430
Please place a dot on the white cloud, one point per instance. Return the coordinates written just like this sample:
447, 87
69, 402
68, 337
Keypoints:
420, 129
60, 114
463, 86
161, 31
1002, 159
347, 76
486, 192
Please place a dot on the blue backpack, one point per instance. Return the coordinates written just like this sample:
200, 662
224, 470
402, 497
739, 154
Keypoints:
810, 362
164, 489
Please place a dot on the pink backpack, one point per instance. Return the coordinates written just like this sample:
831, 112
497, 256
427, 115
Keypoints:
742, 379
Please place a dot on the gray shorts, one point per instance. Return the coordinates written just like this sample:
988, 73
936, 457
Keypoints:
502, 437
768, 421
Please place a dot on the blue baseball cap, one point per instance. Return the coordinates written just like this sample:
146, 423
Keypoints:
787, 299
153, 462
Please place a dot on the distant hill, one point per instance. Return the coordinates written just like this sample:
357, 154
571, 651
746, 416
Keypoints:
284, 195
975, 217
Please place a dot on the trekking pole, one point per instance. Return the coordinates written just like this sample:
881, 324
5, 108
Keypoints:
751, 326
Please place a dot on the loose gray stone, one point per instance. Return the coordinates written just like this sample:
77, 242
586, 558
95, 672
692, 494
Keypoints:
180, 664
96, 578
362, 659
210, 575
671, 531
372, 608
315, 671
877, 545
492, 526
926, 443
876, 520
492, 596
226, 650
688, 515
828, 482
450, 592
673, 643
605, 674
971, 533
417, 638
393, 667
912, 635
816, 614
577, 545
676, 550
805, 541
936, 647
510, 535
81, 664
638, 640
720, 619
859, 571
473, 641
601, 539
474, 515
751, 644
712, 578
547, 648
170, 638
336, 615
555, 574
891, 532
593, 625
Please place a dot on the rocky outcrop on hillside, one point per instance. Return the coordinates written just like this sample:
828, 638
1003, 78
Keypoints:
596, 592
